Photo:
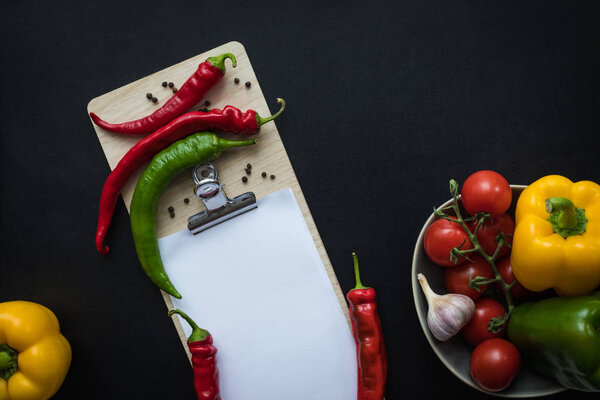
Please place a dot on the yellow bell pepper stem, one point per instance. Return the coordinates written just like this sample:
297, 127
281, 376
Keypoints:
564, 209
8, 362
566, 219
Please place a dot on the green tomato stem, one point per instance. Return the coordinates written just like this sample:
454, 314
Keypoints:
477, 247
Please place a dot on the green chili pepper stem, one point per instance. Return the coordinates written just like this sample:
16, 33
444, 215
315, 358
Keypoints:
8, 361
359, 284
227, 144
565, 211
198, 334
219, 61
261, 121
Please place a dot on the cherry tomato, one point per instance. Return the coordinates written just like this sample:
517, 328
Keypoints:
494, 364
486, 191
457, 278
441, 237
476, 330
490, 229
518, 292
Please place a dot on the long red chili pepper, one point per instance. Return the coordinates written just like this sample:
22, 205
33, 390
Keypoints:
204, 360
208, 74
230, 119
370, 348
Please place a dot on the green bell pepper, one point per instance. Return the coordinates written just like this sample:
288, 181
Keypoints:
560, 337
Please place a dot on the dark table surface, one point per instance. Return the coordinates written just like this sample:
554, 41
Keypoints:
399, 96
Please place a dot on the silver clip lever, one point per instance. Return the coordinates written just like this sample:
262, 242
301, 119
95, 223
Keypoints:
219, 207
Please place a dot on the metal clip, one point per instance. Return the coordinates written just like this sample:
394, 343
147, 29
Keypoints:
219, 207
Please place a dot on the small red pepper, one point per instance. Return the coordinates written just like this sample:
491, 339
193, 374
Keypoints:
208, 74
230, 119
204, 360
370, 348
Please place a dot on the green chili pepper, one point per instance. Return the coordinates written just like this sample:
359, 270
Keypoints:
560, 337
195, 149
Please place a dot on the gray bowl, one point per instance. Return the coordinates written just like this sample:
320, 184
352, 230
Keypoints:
456, 353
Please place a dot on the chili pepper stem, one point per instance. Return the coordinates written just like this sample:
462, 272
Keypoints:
359, 284
261, 121
198, 334
219, 61
227, 144
495, 323
8, 361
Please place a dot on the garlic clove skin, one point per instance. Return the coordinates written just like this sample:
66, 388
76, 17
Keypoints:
447, 313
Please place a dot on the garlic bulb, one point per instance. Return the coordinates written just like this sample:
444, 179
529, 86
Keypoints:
448, 313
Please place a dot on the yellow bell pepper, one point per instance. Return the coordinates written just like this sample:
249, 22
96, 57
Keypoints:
556, 243
34, 356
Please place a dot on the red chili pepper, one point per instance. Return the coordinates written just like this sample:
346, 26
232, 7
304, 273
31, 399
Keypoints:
370, 348
204, 360
208, 74
230, 119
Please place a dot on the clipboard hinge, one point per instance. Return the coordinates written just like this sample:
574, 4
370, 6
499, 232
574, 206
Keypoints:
219, 207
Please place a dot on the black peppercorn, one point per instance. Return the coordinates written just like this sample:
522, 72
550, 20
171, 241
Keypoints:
171, 84
171, 209
172, 215
264, 174
205, 109
154, 99
236, 80
186, 200
244, 179
207, 103
248, 171
249, 166
272, 176
248, 84
174, 90
149, 95
164, 84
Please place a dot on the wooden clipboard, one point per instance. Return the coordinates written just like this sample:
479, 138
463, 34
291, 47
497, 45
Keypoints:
129, 102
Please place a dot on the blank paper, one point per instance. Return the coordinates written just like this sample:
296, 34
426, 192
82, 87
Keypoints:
257, 284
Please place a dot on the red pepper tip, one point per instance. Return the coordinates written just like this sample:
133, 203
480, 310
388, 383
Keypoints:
102, 248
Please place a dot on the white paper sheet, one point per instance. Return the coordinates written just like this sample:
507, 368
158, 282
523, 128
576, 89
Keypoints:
257, 284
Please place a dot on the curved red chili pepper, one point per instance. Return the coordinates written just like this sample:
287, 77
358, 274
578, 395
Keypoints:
208, 74
370, 347
204, 360
230, 119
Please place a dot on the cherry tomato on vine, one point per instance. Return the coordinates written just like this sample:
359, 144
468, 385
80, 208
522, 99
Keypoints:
486, 236
457, 278
441, 237
517, 292
494, 364
486, 191
476, 330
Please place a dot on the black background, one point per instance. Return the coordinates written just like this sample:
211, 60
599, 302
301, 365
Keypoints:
386, 101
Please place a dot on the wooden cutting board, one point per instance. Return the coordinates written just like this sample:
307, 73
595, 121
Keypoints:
129, 102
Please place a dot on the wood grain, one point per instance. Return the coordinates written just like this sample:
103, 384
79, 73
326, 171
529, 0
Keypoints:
129, 102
